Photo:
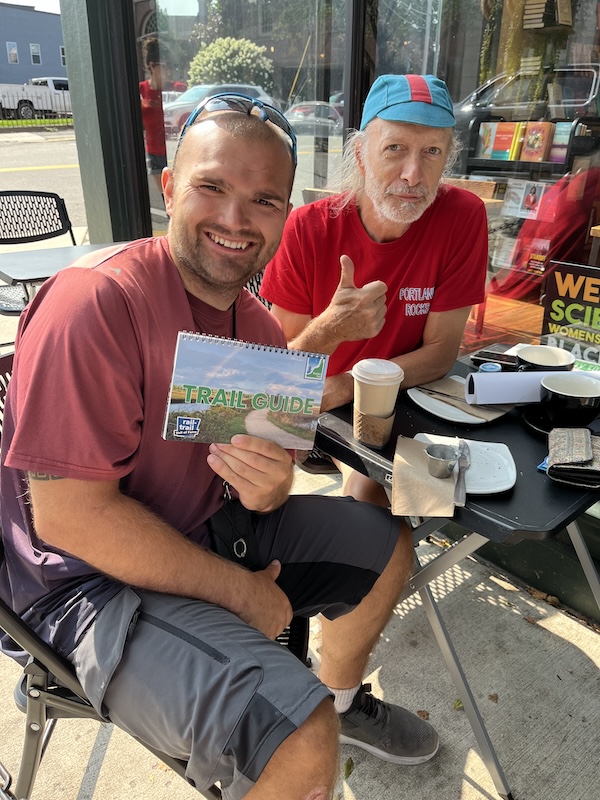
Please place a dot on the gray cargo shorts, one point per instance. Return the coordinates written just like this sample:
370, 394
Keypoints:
194, 681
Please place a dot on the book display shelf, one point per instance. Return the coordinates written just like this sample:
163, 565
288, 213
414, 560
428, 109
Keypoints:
534, 149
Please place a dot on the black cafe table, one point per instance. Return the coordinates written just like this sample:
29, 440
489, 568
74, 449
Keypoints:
31, 267
536, 508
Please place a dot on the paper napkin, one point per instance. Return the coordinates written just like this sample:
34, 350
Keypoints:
416, 493
452, 392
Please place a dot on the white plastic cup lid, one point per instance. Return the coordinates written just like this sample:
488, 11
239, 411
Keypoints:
378, 371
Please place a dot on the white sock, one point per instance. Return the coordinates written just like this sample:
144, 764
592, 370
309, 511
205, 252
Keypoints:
342, 698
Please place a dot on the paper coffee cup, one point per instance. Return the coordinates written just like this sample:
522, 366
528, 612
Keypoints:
376, 385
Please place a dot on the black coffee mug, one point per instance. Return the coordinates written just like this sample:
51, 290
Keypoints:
570, 400
544, 358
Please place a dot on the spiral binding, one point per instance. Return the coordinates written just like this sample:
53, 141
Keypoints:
222, 340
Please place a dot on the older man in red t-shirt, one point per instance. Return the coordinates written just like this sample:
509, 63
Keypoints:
390, 267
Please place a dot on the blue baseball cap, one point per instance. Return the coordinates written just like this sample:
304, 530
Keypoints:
418, 99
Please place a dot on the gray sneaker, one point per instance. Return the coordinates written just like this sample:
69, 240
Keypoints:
389, 732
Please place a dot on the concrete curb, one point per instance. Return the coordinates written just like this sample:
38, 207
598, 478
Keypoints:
14, 136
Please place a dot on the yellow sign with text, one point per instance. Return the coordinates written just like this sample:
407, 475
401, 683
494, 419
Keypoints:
572, 309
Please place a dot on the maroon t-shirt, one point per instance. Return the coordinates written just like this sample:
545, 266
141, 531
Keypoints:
87, 400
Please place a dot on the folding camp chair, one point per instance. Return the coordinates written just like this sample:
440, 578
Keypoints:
48, 688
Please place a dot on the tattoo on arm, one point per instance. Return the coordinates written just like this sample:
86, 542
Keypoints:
43, 476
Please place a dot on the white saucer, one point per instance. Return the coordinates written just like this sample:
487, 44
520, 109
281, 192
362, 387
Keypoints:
492, 467
438, 408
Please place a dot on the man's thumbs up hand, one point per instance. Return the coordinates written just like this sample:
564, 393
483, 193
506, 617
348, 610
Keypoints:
355, 313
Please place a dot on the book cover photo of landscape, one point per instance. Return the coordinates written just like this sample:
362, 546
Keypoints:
223, 387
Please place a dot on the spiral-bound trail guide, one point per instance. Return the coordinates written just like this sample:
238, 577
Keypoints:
221, 387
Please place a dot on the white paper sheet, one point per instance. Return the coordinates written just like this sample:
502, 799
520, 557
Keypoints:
490, 388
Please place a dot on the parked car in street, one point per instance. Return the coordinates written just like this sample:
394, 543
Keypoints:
170, 97
176, 113
552, 93
314, 118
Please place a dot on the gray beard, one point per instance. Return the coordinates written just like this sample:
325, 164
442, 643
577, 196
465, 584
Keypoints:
403, 214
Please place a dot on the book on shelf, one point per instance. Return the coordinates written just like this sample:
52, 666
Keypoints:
537, 255
513, 198
560, 142
517, 142
220, 387
523, 199
537, 141
501, 147
503, 251
485, 139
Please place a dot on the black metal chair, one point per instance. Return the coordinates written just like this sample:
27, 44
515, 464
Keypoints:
49, 690
25, 217
253, 287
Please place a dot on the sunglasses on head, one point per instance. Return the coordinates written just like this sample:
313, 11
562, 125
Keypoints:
245, 105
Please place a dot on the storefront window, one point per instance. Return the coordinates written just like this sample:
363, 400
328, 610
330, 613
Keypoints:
527, 86
282, 52
525, 77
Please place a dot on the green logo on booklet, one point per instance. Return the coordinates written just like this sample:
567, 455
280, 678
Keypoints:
315, 367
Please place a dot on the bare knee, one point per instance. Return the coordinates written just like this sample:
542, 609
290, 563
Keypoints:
305, 766
317, 739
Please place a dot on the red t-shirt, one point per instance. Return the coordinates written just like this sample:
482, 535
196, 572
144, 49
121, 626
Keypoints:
439, 264
152, 115
89, 390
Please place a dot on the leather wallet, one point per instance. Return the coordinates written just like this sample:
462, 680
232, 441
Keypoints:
574, 457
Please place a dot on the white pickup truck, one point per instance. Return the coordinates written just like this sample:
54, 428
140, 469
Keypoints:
41, 97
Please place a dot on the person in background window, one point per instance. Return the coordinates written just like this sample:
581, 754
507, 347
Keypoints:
152, 113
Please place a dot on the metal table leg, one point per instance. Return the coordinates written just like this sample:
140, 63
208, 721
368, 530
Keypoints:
585, 559
419, 582
453, 664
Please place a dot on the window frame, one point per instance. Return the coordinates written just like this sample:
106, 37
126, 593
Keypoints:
12, 47
32, 55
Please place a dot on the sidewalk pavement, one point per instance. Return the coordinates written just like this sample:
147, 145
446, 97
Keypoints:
37, 134
533, 668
